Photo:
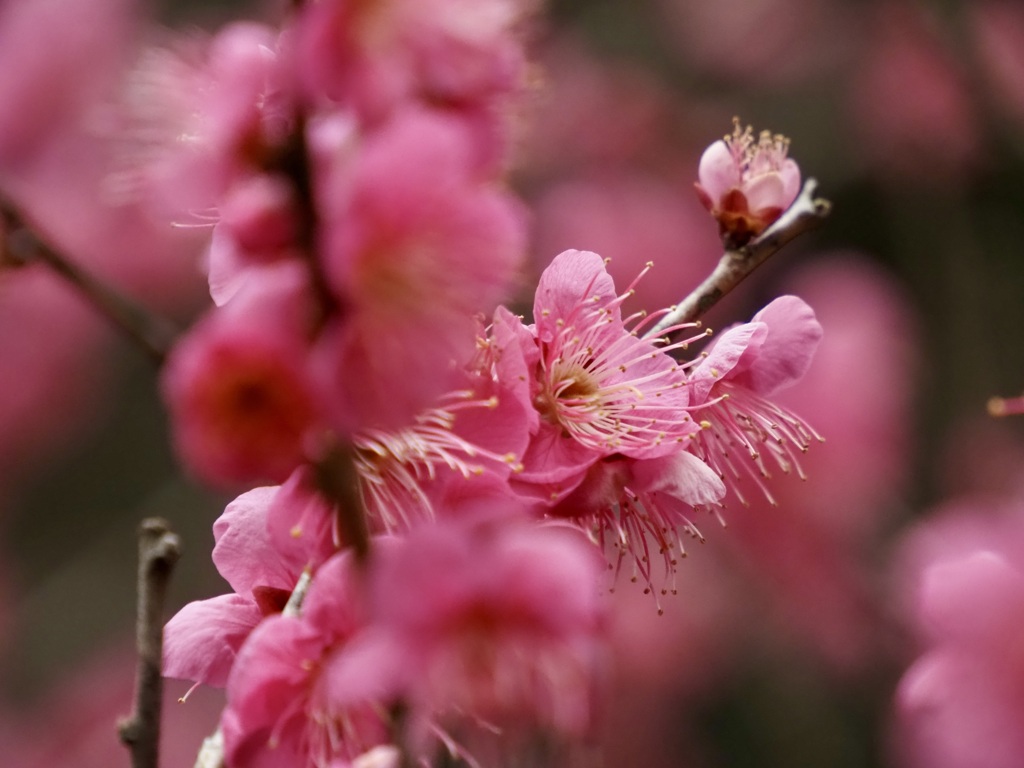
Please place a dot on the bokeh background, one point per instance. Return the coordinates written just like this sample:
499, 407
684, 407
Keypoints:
791, 627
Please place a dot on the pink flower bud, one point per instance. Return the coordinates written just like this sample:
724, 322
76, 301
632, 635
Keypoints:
746, 184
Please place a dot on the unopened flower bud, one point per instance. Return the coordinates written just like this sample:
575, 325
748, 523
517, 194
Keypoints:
747, 183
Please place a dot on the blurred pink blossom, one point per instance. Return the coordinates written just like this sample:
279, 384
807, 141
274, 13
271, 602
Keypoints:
199, 114
960, 702
375, 56
806, 555
594, 112
910, 102
88, 702
498, 621
998, 30
240, 397
759, 42
284, 707
58, 58
416, 240
48, 374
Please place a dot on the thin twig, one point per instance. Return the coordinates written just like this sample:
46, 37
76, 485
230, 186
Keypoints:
806, 212
22, 246
159, 549
337, 480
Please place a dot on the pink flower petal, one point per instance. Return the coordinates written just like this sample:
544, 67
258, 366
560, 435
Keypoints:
724, 356
201, 641
682, 476
785, 355
718, 171
244, 554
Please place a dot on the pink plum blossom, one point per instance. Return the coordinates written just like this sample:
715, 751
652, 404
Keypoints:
960, 702
48, 88
732, 381
283, 706
415, 243
237, 386
610, 444
200, 116
598, 385
747, 183
375, 56
261, 565
499, 622
910, 100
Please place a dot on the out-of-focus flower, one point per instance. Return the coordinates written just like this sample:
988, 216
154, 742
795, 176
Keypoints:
415, 243
240, 396
632, 218
375, 56
47, 370
758, 42
596, 112
960, 702
998, 29
499, 622
202, 115
805, 558
910, 102
88, 701
284, 708
747, 183
49, 87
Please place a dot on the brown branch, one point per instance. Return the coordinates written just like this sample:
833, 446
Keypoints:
806, 212
20, 246
336, 478
159, 549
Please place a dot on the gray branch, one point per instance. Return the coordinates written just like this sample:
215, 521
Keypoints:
159, 549
806, 212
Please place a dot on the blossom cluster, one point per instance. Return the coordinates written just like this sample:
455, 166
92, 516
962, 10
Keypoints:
453, 442
450, 482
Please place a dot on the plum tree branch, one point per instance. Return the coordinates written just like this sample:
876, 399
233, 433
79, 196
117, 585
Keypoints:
20, 245
806, 213
159, 549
